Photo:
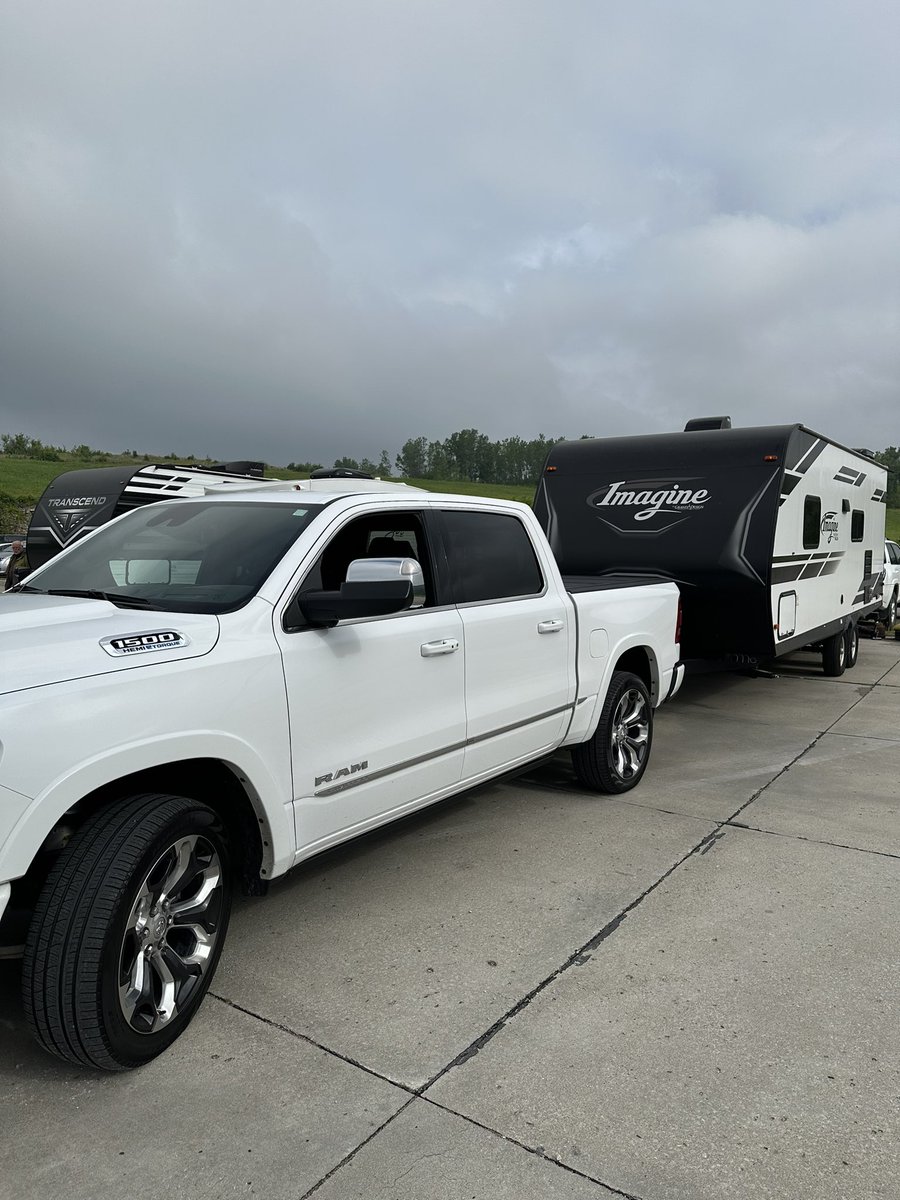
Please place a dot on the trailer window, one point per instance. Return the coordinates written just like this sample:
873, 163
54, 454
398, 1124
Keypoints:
812, 522
857, 525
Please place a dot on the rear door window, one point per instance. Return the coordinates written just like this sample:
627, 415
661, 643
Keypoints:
490, 556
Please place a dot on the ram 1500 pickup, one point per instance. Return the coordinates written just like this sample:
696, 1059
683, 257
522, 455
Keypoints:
205, 692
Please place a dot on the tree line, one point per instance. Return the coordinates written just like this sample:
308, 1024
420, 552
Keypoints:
466, 455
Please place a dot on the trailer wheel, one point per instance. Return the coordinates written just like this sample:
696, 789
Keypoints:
851, 648
127, 932
615, 758
834, 654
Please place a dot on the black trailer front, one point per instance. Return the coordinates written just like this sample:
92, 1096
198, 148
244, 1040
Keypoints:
698, 507
77, 502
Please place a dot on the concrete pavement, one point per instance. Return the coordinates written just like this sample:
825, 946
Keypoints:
530, 991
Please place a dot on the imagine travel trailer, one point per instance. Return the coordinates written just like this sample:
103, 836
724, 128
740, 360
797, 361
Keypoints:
775, 534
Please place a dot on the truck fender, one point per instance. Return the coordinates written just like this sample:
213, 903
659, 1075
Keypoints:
587, 717
270, 798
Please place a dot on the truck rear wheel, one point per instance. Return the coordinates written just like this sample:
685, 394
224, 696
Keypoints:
834, 654
615, 758
127, 932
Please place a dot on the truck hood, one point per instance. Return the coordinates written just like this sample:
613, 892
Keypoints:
52, 639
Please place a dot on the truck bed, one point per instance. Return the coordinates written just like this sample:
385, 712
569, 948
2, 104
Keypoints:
604, 583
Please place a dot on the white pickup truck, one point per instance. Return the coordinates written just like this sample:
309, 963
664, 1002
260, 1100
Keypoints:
205, 692
891, 585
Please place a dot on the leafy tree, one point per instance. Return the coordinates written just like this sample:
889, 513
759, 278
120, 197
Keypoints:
890, 458
412, 461
350, 463
384, 465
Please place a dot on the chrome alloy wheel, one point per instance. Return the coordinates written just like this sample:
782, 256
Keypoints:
170, 933
630, 730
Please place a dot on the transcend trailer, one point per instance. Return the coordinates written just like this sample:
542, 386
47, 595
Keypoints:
77, 502
775, 535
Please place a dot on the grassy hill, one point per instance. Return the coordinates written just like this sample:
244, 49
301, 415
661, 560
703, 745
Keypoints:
23, 479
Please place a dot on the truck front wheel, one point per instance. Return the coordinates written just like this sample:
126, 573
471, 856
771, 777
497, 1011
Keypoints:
127, 932
615, 758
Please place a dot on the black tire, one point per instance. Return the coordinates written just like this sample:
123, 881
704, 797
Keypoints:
851, 645
834, 654
615, 758
890, 614
127, 932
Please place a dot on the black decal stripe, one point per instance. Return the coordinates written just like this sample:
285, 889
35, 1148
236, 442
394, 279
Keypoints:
789, 483
414, 762
804, 452
804, 558
848, 475
812, 571
807, 460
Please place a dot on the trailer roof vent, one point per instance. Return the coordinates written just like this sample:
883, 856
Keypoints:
696, 423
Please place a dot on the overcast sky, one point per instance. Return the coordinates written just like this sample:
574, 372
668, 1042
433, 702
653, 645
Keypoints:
297, 229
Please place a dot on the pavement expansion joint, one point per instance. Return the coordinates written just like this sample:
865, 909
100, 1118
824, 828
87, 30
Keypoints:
304, 1037
536, 1151
353, 1153
799, 837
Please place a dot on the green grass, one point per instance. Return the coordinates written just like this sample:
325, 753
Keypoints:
26, 478
892, 524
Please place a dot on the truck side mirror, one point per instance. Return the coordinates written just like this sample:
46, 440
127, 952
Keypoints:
390, 568
368, 598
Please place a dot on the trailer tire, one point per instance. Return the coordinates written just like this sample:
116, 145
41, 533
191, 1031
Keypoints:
851, 650
834, 654
127, 932
615, 758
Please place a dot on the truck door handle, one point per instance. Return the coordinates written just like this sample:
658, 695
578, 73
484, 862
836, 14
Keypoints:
550, 626
444, 646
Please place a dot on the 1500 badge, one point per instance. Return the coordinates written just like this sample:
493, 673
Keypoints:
144, 643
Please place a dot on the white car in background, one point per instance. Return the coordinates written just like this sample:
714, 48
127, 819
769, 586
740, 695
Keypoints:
891, 591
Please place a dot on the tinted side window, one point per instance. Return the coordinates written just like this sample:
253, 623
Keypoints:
812, 522
857, 525
490, 557
893, 552
385, 535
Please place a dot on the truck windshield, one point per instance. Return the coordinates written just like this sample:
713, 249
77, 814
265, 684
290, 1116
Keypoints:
179, 556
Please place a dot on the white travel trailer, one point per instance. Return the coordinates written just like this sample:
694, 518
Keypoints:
775, 535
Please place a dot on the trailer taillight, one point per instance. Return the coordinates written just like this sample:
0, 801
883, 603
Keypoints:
678, 623
770, 458
549, 469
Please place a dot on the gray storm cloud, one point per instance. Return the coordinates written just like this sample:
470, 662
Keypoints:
298, 230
